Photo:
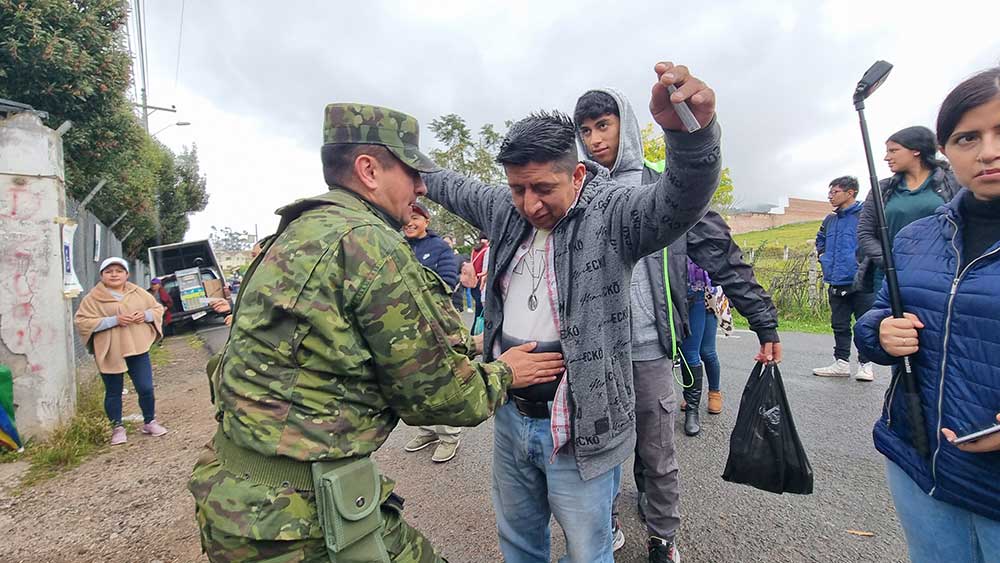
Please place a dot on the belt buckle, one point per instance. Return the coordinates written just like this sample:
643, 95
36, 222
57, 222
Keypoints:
519, 405
530, 408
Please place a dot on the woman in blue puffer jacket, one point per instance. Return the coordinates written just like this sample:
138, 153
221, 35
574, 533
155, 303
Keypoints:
949, 275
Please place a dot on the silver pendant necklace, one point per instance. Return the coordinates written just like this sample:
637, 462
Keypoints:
536, 278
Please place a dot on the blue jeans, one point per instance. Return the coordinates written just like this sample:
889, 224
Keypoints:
938, 531
527, 490
699, 347
141, 372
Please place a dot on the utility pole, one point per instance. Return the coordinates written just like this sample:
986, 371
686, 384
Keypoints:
142, 63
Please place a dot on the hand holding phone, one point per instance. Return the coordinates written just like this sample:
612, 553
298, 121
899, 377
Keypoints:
972, 437
980, 441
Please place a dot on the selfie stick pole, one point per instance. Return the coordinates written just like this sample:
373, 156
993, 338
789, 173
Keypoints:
872, 79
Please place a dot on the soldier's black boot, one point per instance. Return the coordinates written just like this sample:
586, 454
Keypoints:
692, 395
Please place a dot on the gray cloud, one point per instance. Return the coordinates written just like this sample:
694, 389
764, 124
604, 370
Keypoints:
783, 71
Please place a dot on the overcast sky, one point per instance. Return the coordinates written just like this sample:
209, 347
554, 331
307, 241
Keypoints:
253, 78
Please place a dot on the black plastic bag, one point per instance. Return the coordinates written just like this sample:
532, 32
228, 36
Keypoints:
764, 449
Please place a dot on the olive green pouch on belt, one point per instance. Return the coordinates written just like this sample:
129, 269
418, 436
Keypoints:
348, 501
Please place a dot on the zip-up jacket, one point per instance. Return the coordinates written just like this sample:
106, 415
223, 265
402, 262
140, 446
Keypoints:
837, 244
433, 252
957, 367
593, 250
944, 184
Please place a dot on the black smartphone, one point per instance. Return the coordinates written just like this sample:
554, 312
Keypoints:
977, 435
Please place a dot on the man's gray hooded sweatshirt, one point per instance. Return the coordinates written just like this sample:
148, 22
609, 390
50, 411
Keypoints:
709, 244
595, 246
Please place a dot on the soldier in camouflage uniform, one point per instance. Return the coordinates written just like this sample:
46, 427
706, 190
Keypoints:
338, 334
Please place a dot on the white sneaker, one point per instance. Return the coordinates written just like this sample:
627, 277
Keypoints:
839, 368
866, 372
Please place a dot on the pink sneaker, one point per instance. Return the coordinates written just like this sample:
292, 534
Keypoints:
154, 429
118, 436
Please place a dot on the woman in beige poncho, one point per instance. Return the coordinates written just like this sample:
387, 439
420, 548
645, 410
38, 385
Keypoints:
119, 321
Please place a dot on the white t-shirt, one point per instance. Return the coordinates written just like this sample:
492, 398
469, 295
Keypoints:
529, 305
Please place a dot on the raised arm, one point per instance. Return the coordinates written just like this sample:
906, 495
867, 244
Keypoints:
474, 201
655, 215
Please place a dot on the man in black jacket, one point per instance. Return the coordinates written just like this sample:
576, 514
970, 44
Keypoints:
609, 133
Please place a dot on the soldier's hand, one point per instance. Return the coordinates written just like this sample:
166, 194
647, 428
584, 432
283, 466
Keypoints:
221, 306
700, 98
477, 340
532, 368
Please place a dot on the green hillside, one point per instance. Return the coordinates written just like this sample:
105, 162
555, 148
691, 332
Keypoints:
798, 235
799, 308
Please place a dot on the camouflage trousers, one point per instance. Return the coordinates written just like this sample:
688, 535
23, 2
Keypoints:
245, 522
404, 543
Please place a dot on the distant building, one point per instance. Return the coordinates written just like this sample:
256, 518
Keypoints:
795, 211
230, 261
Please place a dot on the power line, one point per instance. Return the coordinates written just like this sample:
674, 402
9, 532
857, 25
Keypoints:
145, 42
180, 36
142, 62
145, 47
131, 58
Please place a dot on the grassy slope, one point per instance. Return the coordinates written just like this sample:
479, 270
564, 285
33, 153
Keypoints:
798, 235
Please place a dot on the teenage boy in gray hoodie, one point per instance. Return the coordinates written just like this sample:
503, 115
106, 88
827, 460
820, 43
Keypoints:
608, 132
564, 239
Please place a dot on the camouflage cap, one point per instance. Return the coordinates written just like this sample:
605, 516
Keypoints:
373, 125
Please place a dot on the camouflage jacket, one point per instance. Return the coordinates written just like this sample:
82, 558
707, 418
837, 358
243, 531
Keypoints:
340, 332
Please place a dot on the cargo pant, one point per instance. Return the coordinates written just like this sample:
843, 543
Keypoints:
655, 457
242, 521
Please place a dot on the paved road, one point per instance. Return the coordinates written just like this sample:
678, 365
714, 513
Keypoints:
721, 521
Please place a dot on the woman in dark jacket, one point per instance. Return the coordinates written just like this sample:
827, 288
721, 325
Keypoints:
949, 276
920, 184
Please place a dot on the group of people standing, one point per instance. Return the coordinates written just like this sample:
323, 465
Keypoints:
373, 339
601, 276
848, 242
943, 220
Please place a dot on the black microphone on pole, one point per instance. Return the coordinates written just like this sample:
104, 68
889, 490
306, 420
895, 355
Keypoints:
873, 78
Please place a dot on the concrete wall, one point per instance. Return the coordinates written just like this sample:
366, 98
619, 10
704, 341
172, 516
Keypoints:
797, 211
36, 339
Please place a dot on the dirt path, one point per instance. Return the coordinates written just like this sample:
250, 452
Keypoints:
129, 504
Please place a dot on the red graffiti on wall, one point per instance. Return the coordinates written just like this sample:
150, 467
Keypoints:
20, 204
33, 335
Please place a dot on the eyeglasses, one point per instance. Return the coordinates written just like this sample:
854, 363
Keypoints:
834, 192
